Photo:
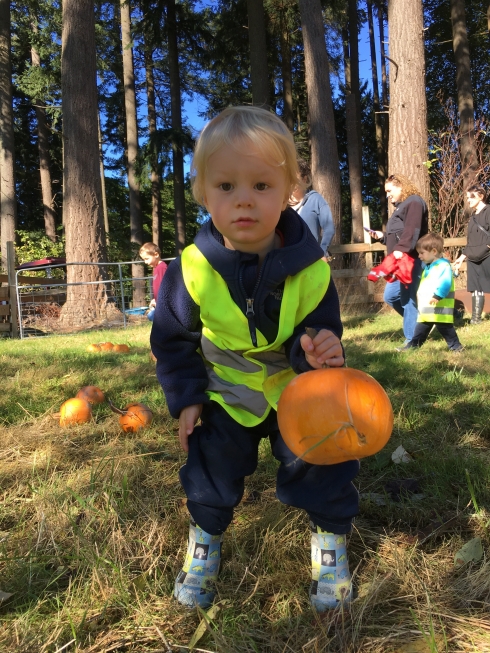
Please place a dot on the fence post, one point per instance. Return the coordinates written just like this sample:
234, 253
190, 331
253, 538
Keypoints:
14, 318
366, 222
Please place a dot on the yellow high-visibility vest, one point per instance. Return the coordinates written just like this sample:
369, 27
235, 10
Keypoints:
443, 311
247, 380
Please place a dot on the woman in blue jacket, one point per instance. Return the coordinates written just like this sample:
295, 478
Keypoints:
314, 210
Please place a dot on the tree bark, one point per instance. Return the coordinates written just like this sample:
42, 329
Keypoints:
461, 49
353, 122
378, 123
135, 218
82, 197
384, 80
105, 213
8, 202
324, 153
176, 121
287, 84
407, 150
156, 220
259, 73
44, 158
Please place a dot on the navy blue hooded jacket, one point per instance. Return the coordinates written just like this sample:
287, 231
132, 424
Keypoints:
176, 332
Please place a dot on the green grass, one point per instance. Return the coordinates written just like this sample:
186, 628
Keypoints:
93, 524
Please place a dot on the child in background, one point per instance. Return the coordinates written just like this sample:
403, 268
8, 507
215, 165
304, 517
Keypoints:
229, 334
435, 296
150, 253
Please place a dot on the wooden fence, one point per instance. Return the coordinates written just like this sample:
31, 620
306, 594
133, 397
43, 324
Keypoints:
356, 293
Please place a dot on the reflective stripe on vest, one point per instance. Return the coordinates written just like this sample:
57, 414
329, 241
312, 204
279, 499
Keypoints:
246, 380
442, 312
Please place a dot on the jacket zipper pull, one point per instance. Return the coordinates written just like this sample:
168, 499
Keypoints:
250, 314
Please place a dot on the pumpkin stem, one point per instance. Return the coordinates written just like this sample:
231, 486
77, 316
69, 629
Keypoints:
115, 409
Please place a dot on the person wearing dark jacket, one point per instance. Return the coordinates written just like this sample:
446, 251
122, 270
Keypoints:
477, 251
229, 334
407, 223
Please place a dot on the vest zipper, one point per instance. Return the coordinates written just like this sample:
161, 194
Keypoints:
250, 314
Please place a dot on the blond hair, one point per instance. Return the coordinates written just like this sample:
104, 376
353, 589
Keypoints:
242, 128
149, 248
406, 184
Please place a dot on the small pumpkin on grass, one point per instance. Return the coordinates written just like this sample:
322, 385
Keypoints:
121, 349
75, 411
106, 346
134, 417
335, 414
94, 348
92, 394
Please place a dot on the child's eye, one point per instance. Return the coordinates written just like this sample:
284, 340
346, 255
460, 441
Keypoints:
261, 186
226, 186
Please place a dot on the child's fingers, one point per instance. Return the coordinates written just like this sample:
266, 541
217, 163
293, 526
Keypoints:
306, 343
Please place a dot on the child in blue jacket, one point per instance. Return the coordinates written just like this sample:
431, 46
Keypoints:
229, 334
435, 296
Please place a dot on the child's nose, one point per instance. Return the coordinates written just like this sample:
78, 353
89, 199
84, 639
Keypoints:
244, 197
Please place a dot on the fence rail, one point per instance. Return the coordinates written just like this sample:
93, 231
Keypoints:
31, 306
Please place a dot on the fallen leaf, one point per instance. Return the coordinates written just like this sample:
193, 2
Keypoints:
4, 596
382, 459
423, 645
374, 497
401, 456
206, 618
472, 551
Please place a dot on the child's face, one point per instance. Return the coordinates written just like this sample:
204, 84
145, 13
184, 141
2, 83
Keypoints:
428, 256
245, 196
151, 259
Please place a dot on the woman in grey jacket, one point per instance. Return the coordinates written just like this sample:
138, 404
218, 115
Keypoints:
314, 210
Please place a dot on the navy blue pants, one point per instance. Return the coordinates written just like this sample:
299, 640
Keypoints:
222, 453
447, 331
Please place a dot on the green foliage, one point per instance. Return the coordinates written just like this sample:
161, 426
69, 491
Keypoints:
36, 245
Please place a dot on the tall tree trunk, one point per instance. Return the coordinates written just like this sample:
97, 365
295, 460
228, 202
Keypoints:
465, 93
136, 221
258, 52
380, 150
44, 158
384, 79
8, 203
353, 122
176, 121
156, 220
82, 197
324, 153
102, 183
407, 150
287, 84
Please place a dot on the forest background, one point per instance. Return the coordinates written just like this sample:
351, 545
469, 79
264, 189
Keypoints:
154, 56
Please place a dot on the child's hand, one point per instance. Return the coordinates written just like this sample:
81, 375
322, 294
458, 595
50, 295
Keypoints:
153, 303
433, 301
187, 420
324, 348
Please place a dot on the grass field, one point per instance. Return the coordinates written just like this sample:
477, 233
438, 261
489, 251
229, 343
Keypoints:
93, 523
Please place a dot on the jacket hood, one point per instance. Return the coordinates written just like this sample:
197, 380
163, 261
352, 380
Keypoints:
299, 250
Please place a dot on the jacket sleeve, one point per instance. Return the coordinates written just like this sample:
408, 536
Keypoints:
175, 340
325, 316
326, 223
441, 279
412, 227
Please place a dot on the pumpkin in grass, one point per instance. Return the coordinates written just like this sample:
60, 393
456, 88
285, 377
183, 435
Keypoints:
331, 415
93, 348
92, 394
75, 411
134, 417
106, 346
121, 349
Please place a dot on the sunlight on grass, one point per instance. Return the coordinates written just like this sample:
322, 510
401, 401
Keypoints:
93, 523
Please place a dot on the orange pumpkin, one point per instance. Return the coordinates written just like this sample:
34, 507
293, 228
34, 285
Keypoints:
121, 349
75, 411
106, 346
135, 417
93, 348
92, 394
331, 415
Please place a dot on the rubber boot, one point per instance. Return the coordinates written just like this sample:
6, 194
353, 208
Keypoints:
194, 584
331, 580
477, 302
